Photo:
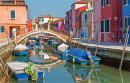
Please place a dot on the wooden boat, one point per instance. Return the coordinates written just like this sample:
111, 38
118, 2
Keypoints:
61, 49
81, 56
17, 70
20, 50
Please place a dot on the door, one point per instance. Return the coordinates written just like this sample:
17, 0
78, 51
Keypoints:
96, 30
105, 36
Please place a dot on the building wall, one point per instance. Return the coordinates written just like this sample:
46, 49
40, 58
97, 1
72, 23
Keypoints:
125, 13
96, 19
45, 20
109, 12
67, 22
70, 20
19, 21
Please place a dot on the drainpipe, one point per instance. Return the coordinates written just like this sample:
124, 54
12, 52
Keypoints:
117, 20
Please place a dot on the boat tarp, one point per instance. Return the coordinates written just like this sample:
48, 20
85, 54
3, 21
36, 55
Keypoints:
62, 47
82, 54
20, 47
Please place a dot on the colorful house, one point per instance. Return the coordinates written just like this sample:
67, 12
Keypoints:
29, 26
74, 7
126, 16
111, 20
67, 20
70, 20
78, 18
96, 19
13, 17
43, 19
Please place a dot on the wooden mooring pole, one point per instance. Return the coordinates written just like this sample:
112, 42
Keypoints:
79, 38
76, 38
3, 68
126, 38
89, 42
98, 45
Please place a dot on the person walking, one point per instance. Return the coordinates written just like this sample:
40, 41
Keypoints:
82, 35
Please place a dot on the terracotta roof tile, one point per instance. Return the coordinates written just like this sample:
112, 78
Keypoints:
47, 15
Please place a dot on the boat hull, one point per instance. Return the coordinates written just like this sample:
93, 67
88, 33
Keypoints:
25, 52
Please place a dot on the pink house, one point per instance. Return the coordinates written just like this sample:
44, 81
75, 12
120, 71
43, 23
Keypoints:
96, 19
13, 17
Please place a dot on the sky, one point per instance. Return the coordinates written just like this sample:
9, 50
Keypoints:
56, 8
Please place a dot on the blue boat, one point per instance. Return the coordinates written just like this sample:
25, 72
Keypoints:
33, 38
82, 57
17, 70
20, 53
20, 50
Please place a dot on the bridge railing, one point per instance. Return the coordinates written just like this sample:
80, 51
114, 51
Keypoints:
24, 31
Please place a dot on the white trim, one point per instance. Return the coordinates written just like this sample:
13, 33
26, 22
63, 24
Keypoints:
10, 15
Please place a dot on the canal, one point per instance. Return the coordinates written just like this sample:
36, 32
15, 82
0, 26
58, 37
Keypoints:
65, 71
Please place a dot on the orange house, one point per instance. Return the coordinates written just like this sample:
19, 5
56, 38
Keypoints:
13, 16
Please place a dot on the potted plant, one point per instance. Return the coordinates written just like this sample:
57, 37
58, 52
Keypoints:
120, 38
124, 31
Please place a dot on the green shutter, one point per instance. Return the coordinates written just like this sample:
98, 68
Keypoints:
42, 19
2, 29
13, 14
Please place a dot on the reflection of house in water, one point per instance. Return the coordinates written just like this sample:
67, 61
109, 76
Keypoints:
81, 73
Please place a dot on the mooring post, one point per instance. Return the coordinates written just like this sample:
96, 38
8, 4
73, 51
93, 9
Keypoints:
76, 38
79, 38
3, 68
98, 44
126, 38
88, 42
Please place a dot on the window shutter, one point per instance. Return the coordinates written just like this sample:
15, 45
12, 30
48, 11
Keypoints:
13, 14
128, 1
2, 29
42, 19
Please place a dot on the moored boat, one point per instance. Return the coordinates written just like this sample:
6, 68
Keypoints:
17, 70
81, 56
20, 50
61, 49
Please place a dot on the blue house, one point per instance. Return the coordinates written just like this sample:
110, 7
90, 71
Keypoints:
67, 20
126, 16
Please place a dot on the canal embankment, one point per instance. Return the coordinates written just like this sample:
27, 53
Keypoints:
110, 53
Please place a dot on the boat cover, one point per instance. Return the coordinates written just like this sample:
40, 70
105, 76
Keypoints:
20, 47
81, 53
62, 47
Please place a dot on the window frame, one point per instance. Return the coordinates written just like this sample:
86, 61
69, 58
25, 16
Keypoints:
109, 2
0, 28
103, 3
127, 2
125, 22
11, 14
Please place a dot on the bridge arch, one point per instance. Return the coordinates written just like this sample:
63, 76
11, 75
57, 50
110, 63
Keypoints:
23, 36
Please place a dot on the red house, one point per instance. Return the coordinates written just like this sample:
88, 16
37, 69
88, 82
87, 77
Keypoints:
78, 17
30, 25
70, 19
111, 20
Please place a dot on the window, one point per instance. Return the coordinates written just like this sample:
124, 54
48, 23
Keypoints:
12, 15
102, 26
107, 25
90, 16
75, 18
42, 19
125, 2
2, 29
126, 22
108, 2
68, 21
94, 8
99, 6
85, 16
94, 27
78, 18
102, 3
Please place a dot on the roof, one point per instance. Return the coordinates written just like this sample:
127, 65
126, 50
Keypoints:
47, 15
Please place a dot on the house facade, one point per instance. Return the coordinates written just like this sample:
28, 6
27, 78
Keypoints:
67, 20
96, 19
44, 19
111, 20
30, 25
13, 17
126, 16
74, 7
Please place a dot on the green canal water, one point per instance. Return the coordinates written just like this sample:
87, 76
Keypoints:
68, 72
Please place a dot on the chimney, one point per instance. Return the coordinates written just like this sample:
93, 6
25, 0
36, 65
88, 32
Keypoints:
78, 0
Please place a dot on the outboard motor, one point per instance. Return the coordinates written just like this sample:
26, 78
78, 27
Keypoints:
90, 56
